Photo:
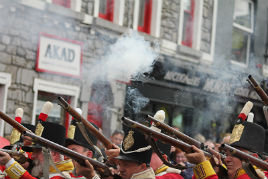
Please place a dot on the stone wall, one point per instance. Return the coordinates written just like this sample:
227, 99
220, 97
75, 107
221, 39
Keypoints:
128, 13
170, 20
20, 27
207, 20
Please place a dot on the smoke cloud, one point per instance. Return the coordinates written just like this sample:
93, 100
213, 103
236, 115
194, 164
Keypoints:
128, 58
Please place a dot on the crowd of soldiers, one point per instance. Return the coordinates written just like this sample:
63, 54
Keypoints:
131, 156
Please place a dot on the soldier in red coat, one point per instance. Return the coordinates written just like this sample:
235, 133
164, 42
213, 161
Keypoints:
247, 137
76, 141
53, 132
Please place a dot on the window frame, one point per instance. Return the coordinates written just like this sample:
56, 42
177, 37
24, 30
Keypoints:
5, 80
197, 25
192, 16
58, 88
118, 14
147, 18
249, 31
108, 15
155, 22
74, 5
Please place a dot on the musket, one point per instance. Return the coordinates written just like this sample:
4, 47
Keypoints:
258, 89
17, 155
106, 142
165, 138
185, 138
244, 156
12, 152
101, 167
58, 148
261, 94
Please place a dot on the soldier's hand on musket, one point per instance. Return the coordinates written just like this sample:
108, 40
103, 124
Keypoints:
114, 152
196, 157
4, 158
216, 158
86, 171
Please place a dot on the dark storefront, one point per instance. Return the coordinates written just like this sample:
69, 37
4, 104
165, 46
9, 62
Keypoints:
194, 102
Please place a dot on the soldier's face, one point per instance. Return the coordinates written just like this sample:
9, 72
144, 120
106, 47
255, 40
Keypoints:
81, 150
117, 139
38, 155
128, 168
232, 164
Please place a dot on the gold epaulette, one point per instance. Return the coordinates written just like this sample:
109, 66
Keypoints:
203, 170
161, 169
15, 170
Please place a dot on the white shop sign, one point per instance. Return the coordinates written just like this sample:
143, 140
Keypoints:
59, 56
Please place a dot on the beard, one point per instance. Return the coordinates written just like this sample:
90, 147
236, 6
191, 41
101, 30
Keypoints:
37, 170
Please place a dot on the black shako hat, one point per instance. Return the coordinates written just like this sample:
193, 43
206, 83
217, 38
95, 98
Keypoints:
265, 152
249, 136
164, 148
135, 148
75, 136
53, 132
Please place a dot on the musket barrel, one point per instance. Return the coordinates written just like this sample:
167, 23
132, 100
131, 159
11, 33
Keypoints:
177, 133
106, 142
69, 153
244, 156
185, 138
165, 138
11, 152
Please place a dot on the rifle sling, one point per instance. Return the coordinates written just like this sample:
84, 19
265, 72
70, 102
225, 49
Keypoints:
160, 155
84, 133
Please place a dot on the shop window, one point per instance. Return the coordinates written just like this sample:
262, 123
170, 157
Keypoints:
242, 30
101, 99
49, 91
64, 3
5, 81
95, 113
188, 22
106, 9
145, 15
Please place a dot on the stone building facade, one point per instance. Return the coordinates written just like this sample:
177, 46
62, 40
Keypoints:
191, 36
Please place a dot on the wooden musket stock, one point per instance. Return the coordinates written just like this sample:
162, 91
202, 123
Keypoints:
101, 167
244, 156
258, 89
106, 142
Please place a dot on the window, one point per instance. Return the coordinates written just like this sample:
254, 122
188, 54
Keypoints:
242, 30
101, 99
57, 114
49, 91
188, 22
145, 14
106, 9
72, 4
5, 81
64, 3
